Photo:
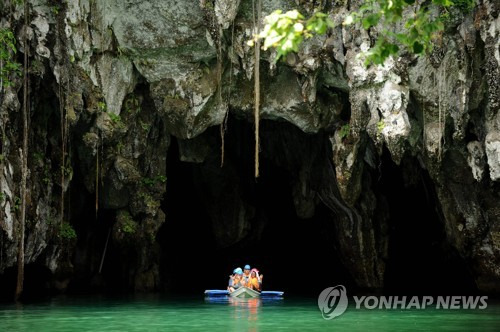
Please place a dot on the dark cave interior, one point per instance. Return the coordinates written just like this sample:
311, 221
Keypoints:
297, 255
294, 254
420, 261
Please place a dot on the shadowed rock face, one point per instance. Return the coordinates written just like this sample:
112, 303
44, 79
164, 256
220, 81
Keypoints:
130, 75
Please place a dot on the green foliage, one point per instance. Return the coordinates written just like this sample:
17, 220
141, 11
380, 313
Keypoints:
125, 222
117, 120
420, 27
5, 3
102, 106
458, 7
209, 5
465, 5
149, 200
153, 181
8, 66
17, 203
286, 31
38, 157
344, 131
115, 117
55, 9
129, 227
49, 221
68, 170
46, 175
144, 125
119, 147
132, 105
380, 126
66, 232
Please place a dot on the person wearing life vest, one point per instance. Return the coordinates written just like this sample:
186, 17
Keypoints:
246, 274
230, 283
255, 282
236, 280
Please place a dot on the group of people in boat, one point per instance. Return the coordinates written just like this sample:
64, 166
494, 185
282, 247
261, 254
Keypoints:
247, 277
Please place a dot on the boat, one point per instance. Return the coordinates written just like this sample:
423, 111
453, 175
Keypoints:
214, 293
244, 293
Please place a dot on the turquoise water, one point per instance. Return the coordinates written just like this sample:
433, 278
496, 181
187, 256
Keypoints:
159, 314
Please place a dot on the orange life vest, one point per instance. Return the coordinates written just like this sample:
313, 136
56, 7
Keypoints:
254, 282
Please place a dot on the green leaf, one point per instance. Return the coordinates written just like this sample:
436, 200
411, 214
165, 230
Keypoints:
271, 41
330, 23
393, 48
418, 48
444, 3
370, 21
385, 53
320, 27
402, 38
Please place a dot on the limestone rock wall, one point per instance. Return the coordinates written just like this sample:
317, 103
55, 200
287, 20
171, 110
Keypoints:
128, 75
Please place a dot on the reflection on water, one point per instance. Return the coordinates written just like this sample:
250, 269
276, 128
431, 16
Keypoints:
246, 313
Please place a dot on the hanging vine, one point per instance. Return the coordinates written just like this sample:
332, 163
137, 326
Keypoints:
256, 28
97, 178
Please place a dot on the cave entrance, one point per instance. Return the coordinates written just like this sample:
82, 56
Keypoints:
420, 259
221, 218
